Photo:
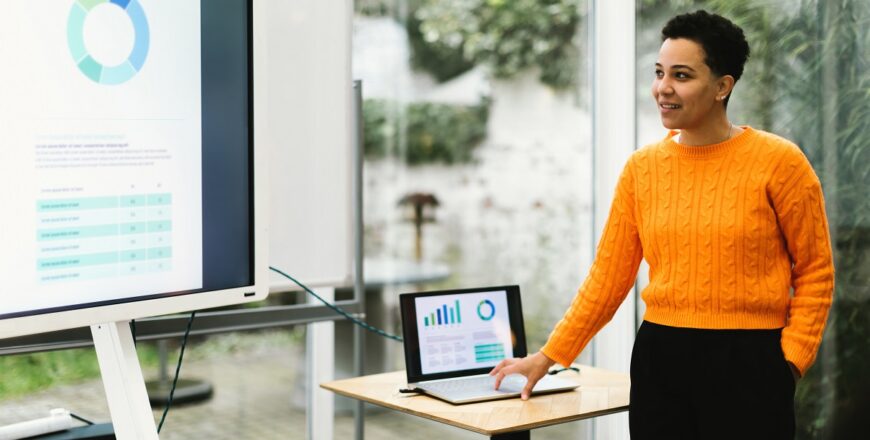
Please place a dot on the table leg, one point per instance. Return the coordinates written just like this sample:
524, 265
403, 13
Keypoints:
516, 435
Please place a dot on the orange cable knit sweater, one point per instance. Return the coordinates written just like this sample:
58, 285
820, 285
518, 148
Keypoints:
726, 229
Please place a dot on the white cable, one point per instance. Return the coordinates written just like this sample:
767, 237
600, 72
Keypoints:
59, 420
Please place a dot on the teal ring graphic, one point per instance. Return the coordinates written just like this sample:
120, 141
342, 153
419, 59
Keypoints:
491, 310
86, 63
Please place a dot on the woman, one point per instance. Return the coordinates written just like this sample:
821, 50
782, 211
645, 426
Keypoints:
729, 219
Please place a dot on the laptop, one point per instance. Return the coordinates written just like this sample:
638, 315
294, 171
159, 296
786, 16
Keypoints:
453, 338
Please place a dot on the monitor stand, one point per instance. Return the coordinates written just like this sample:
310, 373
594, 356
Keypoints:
123, 381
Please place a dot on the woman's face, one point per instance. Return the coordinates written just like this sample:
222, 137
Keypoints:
685, 88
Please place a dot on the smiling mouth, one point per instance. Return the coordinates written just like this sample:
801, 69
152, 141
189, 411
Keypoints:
670, 106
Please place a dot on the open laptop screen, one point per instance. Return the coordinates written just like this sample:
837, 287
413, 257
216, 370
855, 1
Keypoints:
461, 332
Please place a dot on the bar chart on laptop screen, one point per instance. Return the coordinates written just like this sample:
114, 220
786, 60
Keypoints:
461, 332
443, 318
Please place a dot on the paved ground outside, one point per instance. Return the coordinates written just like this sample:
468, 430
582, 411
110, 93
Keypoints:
259, 394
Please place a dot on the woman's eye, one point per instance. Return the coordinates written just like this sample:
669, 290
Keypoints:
681, 75
659, 74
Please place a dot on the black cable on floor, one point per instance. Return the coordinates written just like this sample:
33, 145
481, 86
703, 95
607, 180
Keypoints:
177, 371
82, 419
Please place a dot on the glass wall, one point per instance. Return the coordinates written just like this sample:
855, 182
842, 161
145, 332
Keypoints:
477, 148
807, 80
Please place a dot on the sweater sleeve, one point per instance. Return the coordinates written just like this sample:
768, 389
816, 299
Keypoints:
800, 209
609, 280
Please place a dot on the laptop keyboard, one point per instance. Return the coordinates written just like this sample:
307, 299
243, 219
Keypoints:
512, 383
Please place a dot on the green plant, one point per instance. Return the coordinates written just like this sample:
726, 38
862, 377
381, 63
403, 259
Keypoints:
23, 374
426, 132
507, 36
441, 61
376, 8
27, 373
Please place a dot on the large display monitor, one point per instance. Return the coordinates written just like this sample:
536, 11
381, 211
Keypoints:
131, 185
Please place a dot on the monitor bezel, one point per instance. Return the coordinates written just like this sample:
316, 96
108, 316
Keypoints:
126, 309
411, 342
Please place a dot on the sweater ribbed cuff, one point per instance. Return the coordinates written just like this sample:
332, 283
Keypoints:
561, 358
798, 355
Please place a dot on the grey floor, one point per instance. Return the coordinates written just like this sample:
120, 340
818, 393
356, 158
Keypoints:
259, 394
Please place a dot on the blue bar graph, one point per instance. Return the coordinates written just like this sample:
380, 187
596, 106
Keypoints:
443, 315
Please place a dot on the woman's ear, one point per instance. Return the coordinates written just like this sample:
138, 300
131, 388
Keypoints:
724, 85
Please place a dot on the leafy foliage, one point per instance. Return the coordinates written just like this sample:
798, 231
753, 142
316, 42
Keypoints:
27, 373
441, 61
429, 132
23, 374
373, 8
508, 36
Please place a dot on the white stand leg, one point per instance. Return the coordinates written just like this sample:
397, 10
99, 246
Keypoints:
320, 342
122, 378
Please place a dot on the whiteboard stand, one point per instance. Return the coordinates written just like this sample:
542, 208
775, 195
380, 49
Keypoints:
122, 378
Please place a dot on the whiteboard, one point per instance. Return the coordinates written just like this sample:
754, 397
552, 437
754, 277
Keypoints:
302, 112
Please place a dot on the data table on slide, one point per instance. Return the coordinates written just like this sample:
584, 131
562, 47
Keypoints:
97, 237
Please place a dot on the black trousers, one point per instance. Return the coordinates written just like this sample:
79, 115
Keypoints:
710, 384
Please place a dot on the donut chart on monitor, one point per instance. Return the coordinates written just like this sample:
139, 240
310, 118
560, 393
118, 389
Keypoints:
91, 68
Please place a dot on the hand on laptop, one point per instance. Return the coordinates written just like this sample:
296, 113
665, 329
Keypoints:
533, 367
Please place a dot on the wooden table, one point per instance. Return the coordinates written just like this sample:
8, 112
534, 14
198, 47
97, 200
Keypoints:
601, 392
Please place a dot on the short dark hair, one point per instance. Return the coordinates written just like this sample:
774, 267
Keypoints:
725, 46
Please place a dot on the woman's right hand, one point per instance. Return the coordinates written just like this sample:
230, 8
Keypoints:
533, 367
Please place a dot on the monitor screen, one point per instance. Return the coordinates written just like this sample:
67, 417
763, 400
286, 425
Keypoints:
127, 155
